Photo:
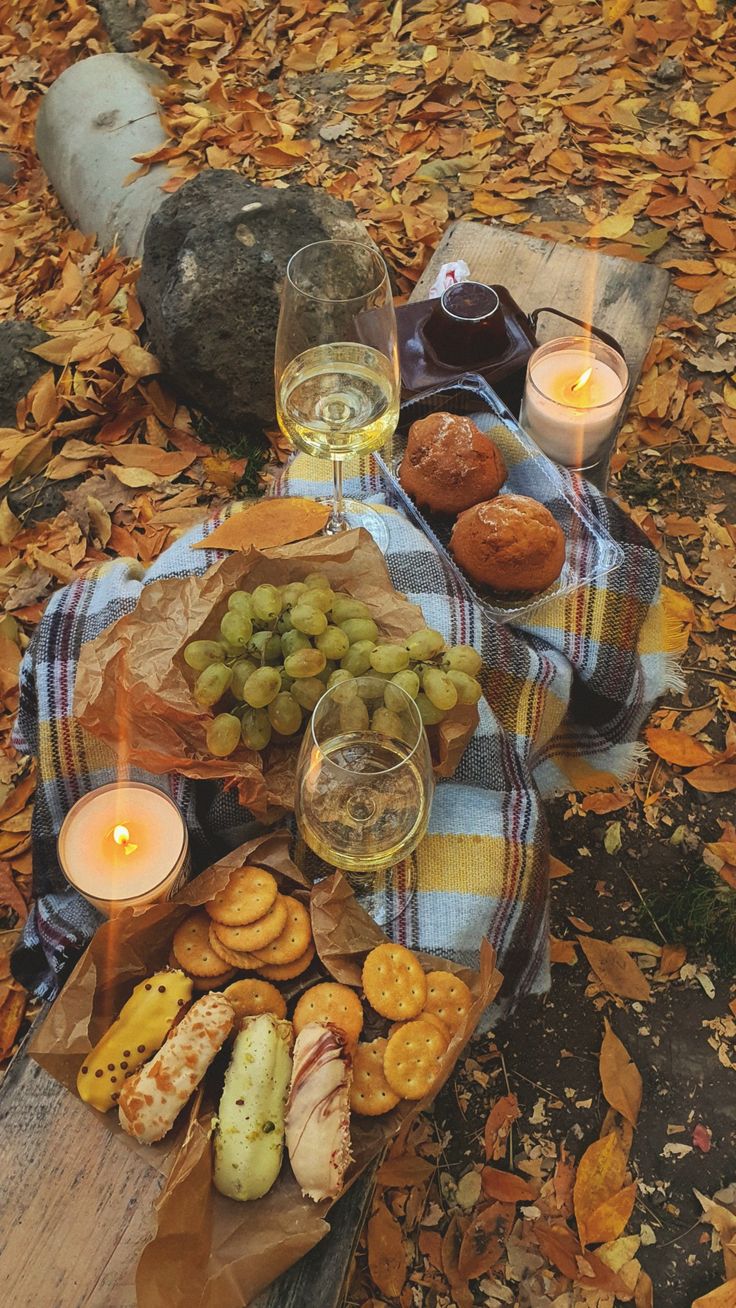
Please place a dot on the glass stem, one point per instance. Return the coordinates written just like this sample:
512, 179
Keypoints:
338, 521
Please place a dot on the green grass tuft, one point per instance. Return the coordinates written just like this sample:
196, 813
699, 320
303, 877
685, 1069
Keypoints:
701, 912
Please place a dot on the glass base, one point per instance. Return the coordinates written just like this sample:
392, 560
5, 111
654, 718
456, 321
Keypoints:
385, 895
358, 514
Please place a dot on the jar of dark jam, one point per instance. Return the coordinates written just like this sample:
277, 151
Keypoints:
471, 328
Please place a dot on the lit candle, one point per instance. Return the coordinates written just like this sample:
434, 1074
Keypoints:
124, 845
575, 388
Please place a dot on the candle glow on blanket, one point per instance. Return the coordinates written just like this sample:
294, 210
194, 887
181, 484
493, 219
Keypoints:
123, 845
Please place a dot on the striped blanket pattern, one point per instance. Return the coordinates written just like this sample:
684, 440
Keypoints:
564, 700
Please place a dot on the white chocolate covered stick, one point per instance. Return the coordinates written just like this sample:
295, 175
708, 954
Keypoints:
318, 1111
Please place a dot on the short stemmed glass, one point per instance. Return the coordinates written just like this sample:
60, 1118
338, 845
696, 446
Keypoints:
364, 787
337, 364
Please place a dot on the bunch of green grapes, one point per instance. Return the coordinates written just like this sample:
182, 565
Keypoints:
280, 647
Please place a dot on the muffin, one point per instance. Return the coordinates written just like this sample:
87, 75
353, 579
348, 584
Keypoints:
449, 464
511, 544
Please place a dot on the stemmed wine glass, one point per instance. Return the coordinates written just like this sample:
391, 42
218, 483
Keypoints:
337, 364
364, 785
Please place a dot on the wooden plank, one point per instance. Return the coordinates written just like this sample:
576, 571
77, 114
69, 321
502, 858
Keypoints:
78, 1207
620, 296
78, 1204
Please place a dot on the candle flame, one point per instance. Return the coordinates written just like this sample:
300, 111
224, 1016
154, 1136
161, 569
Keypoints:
582, 380
121, 836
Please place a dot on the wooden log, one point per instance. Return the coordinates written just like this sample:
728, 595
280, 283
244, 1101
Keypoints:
97, 115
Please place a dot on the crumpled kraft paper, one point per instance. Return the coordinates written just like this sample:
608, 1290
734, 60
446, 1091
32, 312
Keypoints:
209, 1251
134, 691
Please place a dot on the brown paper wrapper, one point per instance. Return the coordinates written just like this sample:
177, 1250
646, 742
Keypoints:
134, 691
209, 1251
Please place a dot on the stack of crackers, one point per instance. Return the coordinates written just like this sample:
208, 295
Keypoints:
251, 927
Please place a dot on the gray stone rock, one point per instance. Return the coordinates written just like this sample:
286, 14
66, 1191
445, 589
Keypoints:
214, 258
18, 369
122, 18
8, 168
669, 71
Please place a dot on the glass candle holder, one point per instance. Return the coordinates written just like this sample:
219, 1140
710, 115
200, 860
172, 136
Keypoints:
124, 845
573, 396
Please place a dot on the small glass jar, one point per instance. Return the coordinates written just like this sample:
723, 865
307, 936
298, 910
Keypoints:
467, 325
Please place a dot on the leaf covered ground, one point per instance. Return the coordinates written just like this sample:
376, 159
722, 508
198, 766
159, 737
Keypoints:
561, 1168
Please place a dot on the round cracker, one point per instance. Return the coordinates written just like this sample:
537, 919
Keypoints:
294, 939
213, 982
433, 1020
256, 935
394, 982
332, 1004
411, 1061
246, 962
286, 971
449, 998
252, 996
248, 895
192, 949
370, 1093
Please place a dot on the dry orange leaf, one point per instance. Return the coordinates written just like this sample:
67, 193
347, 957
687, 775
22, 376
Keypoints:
712, 463
498, 1124
723, 99
557, 868
386, 1252
267, 524
164, 463
505, 1186
602, 1206
451, 1246
716, 778
677, 747
11, 1015
723, 1297
484, 1241
724, 1222
405, 1170
615, 969
620, 1077
562, 951
673, 957
605, 801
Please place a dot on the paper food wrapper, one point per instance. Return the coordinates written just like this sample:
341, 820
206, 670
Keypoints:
210, 1251
134, 691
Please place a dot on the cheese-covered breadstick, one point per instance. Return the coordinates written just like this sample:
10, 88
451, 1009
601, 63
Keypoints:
151, 1100
249, 1135
138, 1032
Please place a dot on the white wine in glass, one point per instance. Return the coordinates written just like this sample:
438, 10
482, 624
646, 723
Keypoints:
364, 789
336, 367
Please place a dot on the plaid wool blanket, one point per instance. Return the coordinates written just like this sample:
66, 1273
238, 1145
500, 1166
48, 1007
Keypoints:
564, 701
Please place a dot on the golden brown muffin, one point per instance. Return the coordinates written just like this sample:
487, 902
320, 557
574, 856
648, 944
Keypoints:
449, 464
511, 544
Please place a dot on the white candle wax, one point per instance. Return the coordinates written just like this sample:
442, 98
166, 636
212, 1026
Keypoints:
571, 403
123, 845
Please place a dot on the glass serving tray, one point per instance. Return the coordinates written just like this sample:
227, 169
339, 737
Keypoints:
590, 551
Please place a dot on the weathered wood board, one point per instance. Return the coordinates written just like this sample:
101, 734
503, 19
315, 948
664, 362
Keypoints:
622, 297
78, 1207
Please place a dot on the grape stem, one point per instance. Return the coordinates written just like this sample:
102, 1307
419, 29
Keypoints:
338, 521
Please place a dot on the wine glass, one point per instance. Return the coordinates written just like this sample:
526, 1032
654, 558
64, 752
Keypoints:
337, 364
364, 785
